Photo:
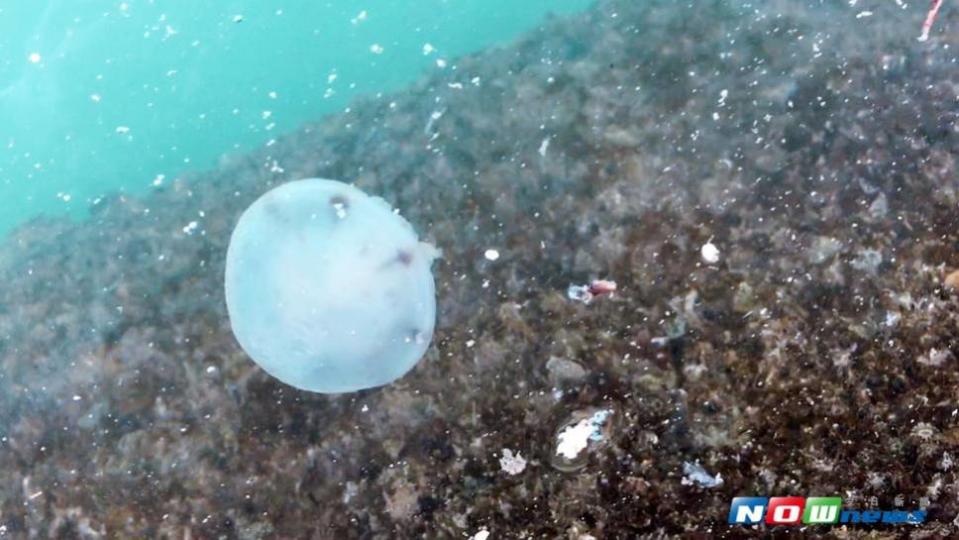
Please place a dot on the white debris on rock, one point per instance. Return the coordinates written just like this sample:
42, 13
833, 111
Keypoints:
512, 464
696, 474
483, 534
575, 438
491, 254
935, 357
579, 293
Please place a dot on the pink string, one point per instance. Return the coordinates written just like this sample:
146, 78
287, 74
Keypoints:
930, 19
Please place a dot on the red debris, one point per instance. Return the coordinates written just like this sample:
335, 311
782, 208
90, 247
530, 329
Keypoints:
601, 286
586, 293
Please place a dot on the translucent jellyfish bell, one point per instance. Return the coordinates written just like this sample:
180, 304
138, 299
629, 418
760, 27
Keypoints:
328, 289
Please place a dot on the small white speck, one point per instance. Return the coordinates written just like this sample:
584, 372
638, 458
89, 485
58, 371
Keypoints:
77, 398
710, 252
544, 147
123, 130
238, 18
440, 63
428, 49
491, 254
360, 17
34, 58
863, 14
190, 227
376, 48
211, 369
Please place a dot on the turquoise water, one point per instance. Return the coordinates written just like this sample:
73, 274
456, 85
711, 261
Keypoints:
99, 97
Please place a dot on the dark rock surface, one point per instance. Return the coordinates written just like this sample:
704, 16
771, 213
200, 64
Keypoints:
816, 150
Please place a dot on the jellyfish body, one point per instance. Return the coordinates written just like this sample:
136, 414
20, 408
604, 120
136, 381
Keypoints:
328, 289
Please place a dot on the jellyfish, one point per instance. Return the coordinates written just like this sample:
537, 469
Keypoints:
328, 289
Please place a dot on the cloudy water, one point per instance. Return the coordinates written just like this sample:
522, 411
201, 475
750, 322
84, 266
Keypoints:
98, 97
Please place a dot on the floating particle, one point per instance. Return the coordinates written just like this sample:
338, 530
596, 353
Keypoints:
360, 17
34, 58
428, 49
491, 254
123, 130
543, 147
237, 18
376, 48
709, 252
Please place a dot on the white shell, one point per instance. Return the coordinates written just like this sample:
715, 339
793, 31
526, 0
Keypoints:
328, 289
